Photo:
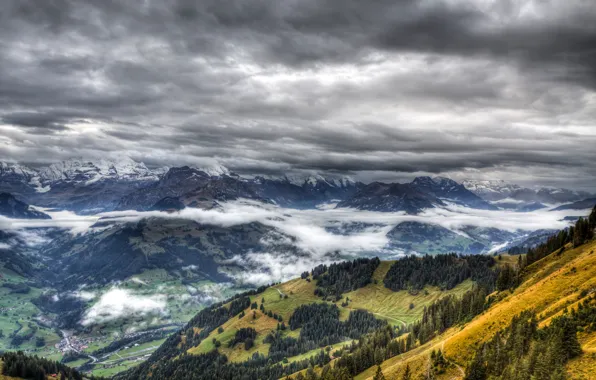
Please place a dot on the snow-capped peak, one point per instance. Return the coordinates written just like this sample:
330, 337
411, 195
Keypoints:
489, 185
90, 171
316, 179
8, 168
215, 170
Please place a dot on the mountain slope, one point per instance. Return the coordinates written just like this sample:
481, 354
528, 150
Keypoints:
116, 252
448, 189
431, 239
11, 207
579, 205
550, 286
273, 315
391, 197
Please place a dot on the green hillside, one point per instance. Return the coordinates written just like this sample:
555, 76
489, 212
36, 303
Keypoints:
358, 303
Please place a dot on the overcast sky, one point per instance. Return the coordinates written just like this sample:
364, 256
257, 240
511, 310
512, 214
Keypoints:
378, 89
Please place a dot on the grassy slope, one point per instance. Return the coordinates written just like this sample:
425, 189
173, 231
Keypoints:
395, 306
386, 304
550, 285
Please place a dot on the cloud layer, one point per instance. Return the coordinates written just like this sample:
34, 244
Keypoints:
378, 90
120, 303
327, 235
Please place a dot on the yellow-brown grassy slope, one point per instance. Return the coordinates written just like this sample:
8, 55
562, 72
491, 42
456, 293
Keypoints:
550, 285
396, 307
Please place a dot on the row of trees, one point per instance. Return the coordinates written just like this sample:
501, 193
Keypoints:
17, 364
338, 278
582, 231
413, 273
523, 352
447, 312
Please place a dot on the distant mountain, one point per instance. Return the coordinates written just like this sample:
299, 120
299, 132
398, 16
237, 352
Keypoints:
385, 197
13, 208
174, 183
305, 191
579, 205
425, 238
168, 204
449, 190
84, 186
529, 207
114, 252
512, 196
87, 172
18, 179
491, 190
198, 188
423, 192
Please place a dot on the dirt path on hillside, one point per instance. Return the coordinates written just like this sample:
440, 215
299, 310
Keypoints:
460, 369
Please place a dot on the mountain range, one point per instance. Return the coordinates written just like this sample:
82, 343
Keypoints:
511, 196
91, 186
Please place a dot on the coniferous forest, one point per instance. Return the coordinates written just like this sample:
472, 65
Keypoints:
338, 278
17, 364
412, 273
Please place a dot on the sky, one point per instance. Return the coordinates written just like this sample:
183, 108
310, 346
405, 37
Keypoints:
376, 89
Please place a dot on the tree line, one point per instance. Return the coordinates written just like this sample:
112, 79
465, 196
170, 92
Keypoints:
413, 273
578, 234
17, 364
338, 278
320, 326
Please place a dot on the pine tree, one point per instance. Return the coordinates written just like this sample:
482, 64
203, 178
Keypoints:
477, 369
407, 373
379, 374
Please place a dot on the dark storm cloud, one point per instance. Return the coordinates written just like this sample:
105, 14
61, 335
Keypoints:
35, 121
319, 85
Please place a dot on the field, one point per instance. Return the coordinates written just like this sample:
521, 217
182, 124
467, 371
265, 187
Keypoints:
398, 308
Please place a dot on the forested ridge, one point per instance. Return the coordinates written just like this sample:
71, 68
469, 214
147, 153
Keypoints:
578, 234
319, 326
412, 273
17, 364
338, 278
